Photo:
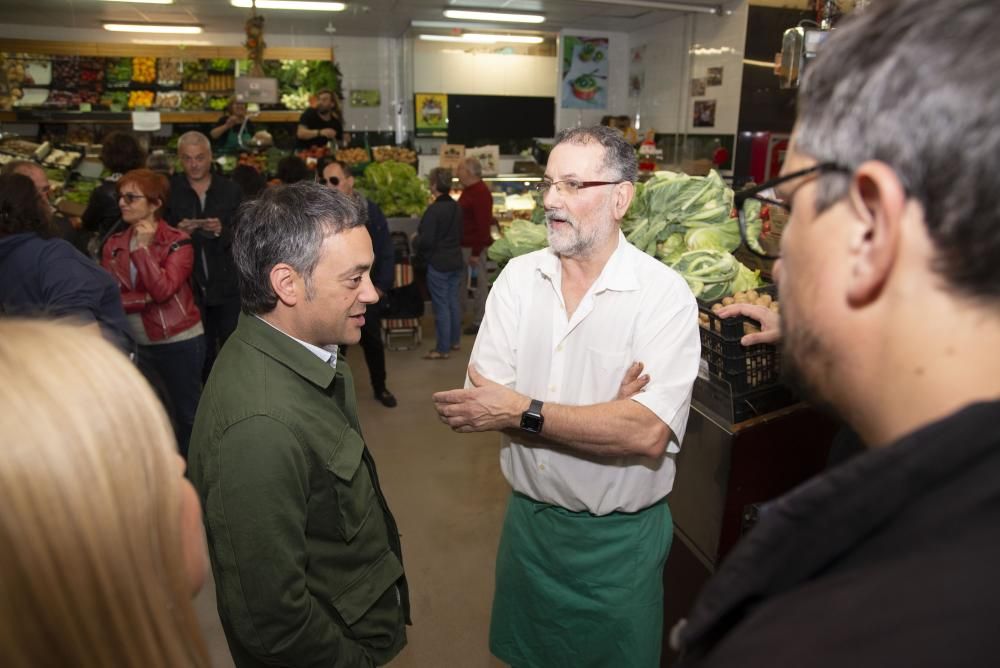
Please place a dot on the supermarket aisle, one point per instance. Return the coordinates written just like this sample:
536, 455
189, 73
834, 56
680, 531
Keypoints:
448, 496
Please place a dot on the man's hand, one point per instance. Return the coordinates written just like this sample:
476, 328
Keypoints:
770, 331
212, 226
473, 260
633, 382
486, 406
187, 225
329, 133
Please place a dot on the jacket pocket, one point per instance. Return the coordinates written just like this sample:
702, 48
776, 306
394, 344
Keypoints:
353, 488
370, 604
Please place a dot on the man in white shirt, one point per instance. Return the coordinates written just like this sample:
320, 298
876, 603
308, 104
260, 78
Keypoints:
555, 368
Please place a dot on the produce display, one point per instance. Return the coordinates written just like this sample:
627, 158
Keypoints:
169, 99
141, 98
711, 274
193, 102
79, 192
352, 156
118, 72
65, 71
169, 71
395, 187
396, 153
520, 237
298, 100
218, 102
117, 98
143, 69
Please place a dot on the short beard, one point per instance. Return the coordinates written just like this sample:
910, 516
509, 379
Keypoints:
795, 350
578, 245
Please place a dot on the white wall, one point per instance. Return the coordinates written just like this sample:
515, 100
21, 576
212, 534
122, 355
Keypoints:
725, 34
442, 67
618, 46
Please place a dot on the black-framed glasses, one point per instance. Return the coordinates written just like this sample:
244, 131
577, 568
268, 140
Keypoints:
131, 198
569, 187
333, 181
755, 210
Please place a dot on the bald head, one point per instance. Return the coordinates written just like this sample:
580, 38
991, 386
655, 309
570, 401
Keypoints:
33, 172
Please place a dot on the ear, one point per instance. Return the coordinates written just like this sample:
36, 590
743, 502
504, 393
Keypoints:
285, 282
878, 202
624, 192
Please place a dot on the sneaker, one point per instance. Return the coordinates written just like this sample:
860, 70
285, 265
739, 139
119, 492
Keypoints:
387, 399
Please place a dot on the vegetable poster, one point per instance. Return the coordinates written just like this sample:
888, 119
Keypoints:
584, 72
431, 114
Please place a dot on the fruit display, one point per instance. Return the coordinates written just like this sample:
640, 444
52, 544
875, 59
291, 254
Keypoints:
79, 191
114, 98
169, 99
222, 65
395, 153
140, 98
169, 71
218, 102
143, 69
258, 162
62, 158
22, 149
65, 71
118, 72
198, 76
352, 156
193, 102
67, 98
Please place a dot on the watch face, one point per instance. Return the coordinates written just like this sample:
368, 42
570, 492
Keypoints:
531, 422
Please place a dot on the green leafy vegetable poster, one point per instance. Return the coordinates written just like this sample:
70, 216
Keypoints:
584, 72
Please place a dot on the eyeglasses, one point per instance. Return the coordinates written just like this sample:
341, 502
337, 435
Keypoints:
570, 187
333, 180
131, 197
755, 221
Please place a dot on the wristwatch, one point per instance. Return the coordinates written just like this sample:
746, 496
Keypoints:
531, 419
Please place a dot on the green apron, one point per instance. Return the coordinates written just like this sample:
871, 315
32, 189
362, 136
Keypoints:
580, 590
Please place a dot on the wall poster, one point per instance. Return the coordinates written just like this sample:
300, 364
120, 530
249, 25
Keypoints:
584, 72
636, 70
431, 114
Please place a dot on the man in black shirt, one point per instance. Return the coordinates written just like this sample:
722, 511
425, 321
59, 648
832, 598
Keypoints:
890, 315
204, 205
320, 124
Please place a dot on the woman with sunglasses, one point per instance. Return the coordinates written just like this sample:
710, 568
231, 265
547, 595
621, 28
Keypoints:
152, 263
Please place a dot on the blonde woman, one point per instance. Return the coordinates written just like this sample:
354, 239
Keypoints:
101, 545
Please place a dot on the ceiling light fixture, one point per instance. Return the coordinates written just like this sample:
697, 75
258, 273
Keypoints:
479, 38
470, 15
160, 29
145, 2
669, 6
304, 5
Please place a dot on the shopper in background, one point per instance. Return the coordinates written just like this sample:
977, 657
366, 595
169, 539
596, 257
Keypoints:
336, 175
250, 181
60, 225
556, 367
292, 169
476, 201
204, 205
41, 276
305, 552
438, 246
160, 163
152, 263
890, 316
101, 535
227, 133
321, 124
120, 153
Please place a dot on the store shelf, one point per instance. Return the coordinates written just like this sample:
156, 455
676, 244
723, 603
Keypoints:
56, 116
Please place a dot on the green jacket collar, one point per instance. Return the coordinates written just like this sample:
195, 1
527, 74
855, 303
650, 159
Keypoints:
284, 349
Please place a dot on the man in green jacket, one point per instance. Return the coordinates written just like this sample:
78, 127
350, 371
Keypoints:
305, 551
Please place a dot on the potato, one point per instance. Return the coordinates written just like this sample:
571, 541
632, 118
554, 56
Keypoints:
773, 307
764, 300
716, 308
726, 301
752, 296
740, 297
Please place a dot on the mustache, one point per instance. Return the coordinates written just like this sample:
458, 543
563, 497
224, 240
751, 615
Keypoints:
555, 214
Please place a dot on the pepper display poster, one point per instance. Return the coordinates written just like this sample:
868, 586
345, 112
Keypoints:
584, 72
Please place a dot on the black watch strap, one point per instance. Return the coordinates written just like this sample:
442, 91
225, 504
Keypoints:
531, 419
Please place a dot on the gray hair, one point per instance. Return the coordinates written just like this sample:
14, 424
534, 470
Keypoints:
286, 224
907, 83
194, 137
20, 167
474, 166
440, 180
619, 156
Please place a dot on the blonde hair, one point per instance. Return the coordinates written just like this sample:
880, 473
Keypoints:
91, 564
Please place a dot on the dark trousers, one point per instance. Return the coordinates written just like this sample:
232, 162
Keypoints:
371, 344
174, 370
219, 321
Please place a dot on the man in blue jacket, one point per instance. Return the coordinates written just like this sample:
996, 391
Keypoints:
336, 175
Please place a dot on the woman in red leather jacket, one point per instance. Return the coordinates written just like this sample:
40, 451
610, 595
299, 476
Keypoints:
152, 263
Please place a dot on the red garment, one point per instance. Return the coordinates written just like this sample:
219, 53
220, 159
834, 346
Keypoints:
477, 217
162, 289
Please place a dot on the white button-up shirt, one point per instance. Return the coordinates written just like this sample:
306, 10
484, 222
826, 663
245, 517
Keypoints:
638, 310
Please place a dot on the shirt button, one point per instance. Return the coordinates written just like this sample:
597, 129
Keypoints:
559, 348
552, 388
541, 467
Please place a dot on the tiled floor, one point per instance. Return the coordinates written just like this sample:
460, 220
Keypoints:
448, 496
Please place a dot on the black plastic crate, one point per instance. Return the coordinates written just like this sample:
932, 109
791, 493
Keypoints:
737, 408
741, 368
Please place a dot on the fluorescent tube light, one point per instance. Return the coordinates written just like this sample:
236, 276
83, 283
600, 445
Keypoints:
145, 2
477, 38
470, 15
153, 28
304, 5
670, 6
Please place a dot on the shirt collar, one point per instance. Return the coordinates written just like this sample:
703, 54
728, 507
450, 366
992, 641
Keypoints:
328, 354
618, 273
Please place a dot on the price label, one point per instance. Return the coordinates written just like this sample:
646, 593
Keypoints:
145, 121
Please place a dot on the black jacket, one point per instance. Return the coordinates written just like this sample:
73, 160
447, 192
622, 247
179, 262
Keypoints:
890, 559
439, 236
102, 212
383, 270
214, 271
49, 278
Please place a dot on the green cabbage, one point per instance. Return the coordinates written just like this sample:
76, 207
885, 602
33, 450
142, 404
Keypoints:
395, 187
